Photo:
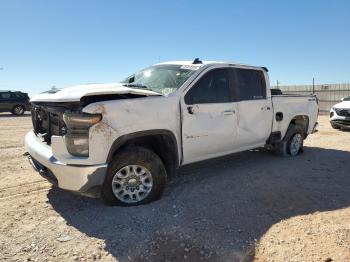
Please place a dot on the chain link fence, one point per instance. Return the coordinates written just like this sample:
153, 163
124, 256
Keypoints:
327, 94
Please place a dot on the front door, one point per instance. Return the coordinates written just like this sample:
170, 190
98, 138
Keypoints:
208, 117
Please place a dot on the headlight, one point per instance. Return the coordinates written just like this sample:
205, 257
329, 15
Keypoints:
77, 137
81, 120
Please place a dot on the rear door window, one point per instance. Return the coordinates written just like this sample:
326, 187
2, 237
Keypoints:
249, 84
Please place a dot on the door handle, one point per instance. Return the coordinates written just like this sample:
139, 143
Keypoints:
228, 112
190, 110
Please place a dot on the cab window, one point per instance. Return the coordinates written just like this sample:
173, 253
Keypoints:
249, 84
213, 87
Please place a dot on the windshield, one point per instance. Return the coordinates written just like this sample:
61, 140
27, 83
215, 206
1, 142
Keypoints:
163, 79
346, 98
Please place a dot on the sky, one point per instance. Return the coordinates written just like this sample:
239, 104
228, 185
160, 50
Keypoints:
62, 43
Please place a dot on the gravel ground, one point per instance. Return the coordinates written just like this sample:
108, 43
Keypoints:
248, 206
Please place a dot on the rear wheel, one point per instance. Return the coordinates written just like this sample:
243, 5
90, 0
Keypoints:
292, 143
135, 176
18, 110
295, 144
295, 140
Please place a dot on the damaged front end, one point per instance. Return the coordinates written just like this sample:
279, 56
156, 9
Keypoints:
67, 119
47, 118
67, 145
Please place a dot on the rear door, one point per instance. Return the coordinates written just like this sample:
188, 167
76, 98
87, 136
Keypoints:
208, 117
254, 119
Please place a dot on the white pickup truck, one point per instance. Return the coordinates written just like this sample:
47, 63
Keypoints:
123, 140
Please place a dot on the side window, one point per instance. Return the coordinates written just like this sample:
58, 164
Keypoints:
14, 96
249, 84
18, 95
213, 87
5, 95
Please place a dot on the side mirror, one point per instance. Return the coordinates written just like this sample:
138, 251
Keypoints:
129, 79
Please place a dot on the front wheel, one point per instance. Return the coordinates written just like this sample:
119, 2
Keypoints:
135, 176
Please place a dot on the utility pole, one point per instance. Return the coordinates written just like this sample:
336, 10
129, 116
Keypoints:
277, 83
313, 85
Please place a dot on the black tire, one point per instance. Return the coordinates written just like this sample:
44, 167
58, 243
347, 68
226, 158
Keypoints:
335, 126
135, 156
294, 130
18, 110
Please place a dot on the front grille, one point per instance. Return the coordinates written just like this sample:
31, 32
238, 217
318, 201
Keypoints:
47, 122
342, 112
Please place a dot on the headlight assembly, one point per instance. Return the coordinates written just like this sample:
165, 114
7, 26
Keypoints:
77, 137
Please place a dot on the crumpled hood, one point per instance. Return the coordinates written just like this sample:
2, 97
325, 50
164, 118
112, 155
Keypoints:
344, 104
75, 93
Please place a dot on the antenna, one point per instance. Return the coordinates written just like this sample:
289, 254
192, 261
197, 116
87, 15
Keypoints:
197, 61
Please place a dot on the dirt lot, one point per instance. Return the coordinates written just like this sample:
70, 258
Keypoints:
247, 206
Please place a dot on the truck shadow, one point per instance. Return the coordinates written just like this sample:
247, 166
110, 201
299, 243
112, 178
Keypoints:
217, 209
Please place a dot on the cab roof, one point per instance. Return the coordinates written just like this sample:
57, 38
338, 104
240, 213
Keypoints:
189, 63
203, 63
13, 91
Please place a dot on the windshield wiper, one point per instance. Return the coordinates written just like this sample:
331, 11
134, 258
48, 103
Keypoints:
137, 85
140, 86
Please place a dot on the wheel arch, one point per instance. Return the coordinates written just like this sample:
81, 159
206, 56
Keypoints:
161, 141
302, 120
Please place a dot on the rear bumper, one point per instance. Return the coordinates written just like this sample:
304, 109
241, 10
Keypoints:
78, 178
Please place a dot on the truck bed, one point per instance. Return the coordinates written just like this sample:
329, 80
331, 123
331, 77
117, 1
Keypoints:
292, 105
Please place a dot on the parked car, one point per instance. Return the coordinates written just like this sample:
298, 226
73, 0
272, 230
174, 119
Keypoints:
340, 114
126, 139
14, 101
